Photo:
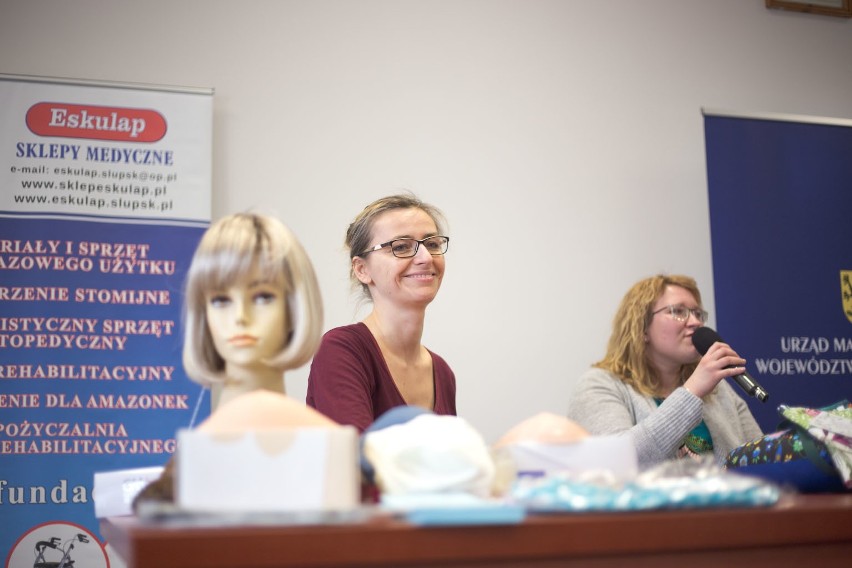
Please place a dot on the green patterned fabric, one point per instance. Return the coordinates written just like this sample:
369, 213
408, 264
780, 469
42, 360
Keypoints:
821, 437
698, 441
831, 425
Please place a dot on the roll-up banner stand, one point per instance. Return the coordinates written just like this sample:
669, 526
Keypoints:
780, 196
104, 193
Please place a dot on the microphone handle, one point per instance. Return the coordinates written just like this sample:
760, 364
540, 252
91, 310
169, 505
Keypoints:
751, 387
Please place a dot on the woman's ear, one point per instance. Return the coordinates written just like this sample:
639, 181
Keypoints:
359, 269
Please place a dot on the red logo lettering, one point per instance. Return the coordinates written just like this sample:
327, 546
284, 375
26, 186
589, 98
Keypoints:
100, 123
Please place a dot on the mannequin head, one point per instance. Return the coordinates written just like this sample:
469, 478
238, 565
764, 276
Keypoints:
239, 250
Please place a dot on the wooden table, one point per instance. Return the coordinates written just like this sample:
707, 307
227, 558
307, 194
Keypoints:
802, 530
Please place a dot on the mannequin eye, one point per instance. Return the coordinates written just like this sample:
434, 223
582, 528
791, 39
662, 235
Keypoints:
265, 297
219, 300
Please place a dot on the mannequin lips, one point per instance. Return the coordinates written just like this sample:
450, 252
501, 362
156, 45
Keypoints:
242, 340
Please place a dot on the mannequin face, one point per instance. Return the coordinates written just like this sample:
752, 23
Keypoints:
248, 322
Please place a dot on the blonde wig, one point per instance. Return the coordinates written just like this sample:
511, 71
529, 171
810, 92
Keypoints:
228, 252
627, 354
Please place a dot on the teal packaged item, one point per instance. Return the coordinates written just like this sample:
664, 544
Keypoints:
676, 484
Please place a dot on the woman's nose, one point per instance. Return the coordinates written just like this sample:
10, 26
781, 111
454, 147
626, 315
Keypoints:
422, 254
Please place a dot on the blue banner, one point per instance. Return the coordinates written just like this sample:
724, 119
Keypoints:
780, 197
105, 194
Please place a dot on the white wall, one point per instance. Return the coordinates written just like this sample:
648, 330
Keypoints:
563, 140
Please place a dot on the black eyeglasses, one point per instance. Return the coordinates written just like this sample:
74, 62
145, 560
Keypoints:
681, 313
406, 248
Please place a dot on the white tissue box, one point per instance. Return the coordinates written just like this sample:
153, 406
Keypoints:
113, 491
612, 454
285, 470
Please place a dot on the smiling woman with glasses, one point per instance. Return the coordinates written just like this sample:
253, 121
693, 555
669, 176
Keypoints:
396, 249
654, 386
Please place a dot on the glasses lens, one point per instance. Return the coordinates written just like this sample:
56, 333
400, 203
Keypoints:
436, 245
403, 247
680, 313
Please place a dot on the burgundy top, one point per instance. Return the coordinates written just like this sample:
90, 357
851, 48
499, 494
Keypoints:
351, 383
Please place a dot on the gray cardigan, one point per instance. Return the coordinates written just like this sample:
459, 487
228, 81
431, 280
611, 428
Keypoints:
604, 404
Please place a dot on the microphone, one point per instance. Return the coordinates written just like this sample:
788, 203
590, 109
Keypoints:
703, 338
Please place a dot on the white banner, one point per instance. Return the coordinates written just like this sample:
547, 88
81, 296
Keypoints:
111, 151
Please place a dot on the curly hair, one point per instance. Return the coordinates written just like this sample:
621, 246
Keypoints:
627, 352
